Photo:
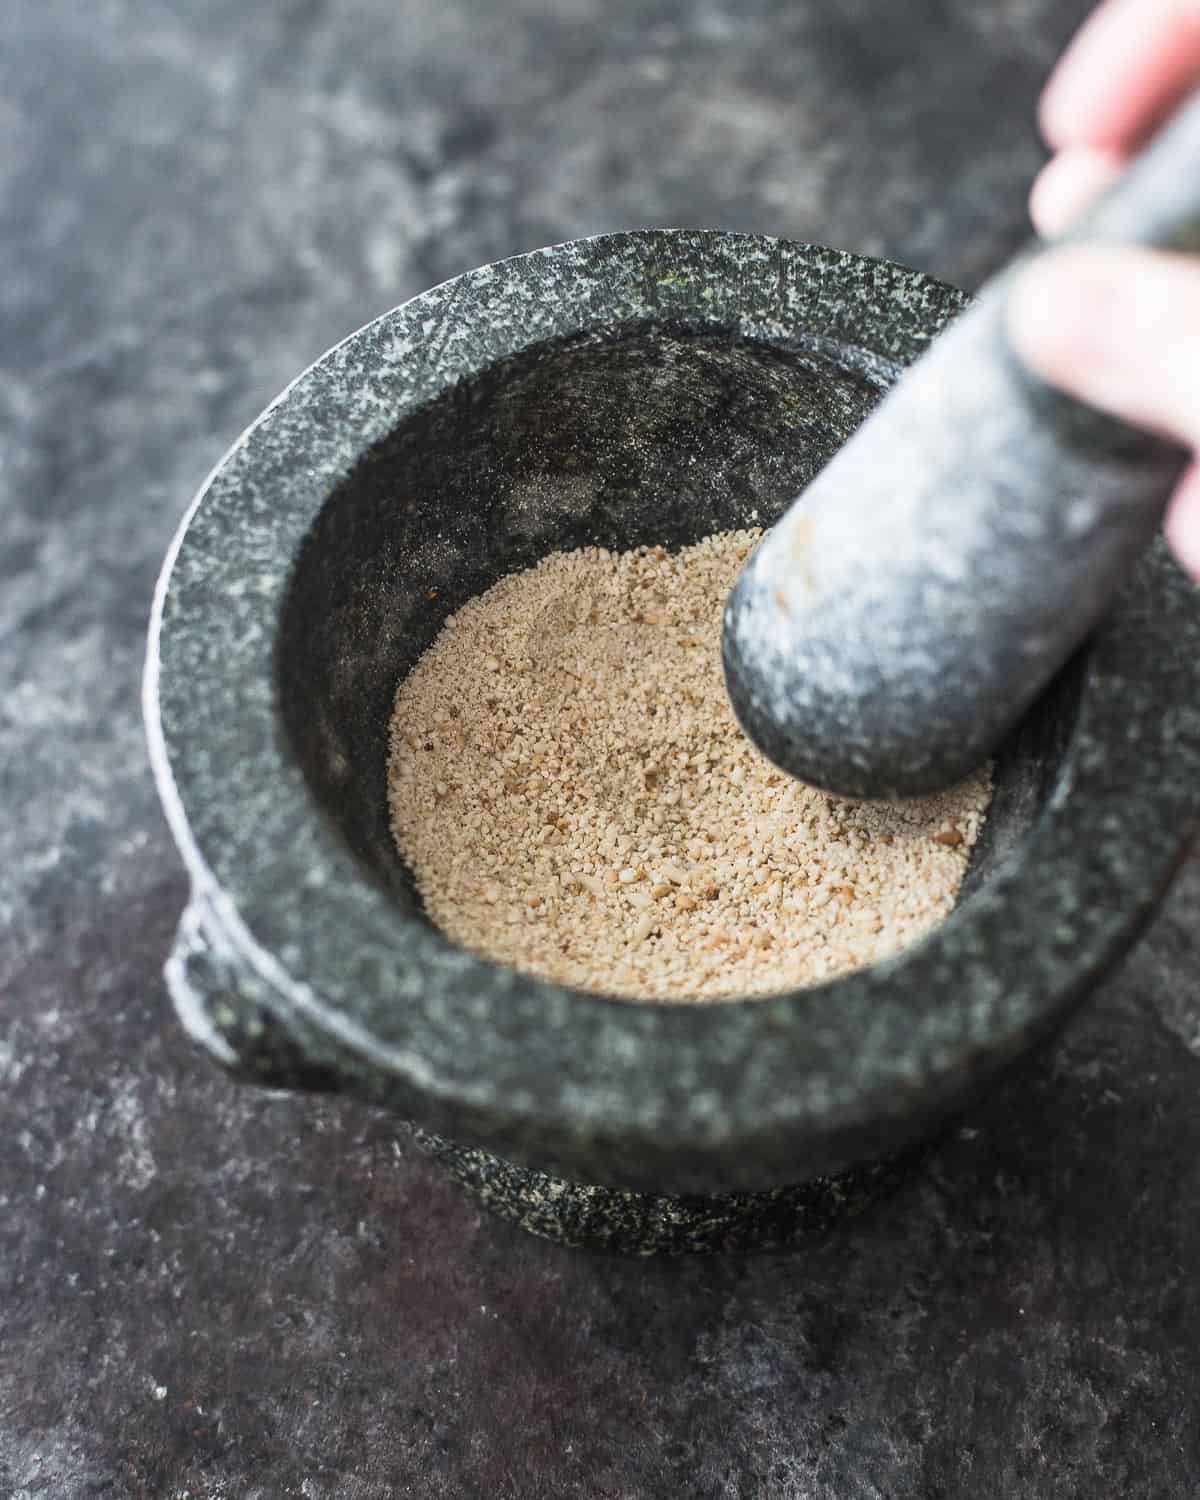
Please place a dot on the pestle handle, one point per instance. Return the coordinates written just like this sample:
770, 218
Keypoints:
911, 605
1155, 203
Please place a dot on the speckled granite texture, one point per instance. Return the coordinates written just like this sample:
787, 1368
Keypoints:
211, 1293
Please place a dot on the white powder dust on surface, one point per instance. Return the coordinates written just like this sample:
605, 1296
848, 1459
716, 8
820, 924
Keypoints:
570, 787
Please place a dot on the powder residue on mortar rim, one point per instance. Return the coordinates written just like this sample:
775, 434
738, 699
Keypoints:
570, 787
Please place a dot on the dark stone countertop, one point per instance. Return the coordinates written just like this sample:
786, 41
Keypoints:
212, 1293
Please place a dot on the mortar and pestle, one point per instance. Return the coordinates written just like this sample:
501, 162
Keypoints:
653, 388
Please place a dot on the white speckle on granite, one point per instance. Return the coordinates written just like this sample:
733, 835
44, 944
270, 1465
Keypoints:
136, 1159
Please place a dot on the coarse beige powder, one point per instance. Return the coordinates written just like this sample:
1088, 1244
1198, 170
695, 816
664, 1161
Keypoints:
571, 789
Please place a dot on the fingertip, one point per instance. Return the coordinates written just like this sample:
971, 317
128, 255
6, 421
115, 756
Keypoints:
1066, 107
1041, 202
1118, 326
1067, 184
1056, 109
1182, 525
1051, 309
1128, 65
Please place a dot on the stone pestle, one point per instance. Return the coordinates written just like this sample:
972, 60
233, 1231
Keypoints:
927, 585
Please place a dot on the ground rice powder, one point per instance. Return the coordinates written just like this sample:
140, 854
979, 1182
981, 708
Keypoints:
573, 794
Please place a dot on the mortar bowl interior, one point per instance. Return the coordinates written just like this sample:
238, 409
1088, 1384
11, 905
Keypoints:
653, 435
639, 388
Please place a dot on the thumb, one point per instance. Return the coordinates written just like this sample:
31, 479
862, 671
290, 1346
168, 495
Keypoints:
1117, 327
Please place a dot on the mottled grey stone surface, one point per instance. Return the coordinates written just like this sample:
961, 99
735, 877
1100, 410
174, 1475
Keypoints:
211, 1292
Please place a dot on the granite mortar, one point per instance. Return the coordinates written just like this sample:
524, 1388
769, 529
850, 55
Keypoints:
643, 387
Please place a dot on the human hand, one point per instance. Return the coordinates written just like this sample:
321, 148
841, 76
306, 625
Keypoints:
1118, 326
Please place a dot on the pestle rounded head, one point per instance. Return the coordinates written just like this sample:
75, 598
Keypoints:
896, 752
